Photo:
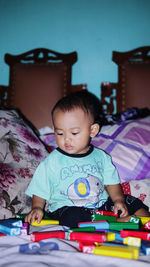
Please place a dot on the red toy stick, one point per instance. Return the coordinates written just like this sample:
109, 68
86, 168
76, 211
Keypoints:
88, 237
45, 235
108, 213
141, 234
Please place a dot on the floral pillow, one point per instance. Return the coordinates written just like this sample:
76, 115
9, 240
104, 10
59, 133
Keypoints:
20, 153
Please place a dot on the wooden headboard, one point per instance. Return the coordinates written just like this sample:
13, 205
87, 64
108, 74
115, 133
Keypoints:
37, 80
133, 86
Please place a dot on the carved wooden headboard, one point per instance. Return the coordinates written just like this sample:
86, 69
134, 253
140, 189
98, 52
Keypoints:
37, 80
133, 86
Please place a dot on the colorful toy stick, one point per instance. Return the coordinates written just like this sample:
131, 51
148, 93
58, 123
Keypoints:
82, 229
132, 241
134, 219
2, 234
141, 234
35, 237
99, 225
12, 222
45, 222
121, 252
87, 247
113, 251
10, 230
11, 226
144, 219
146, 225
108, 213
145, 246
24, 229
97, 217
74, 236
111, 236
122, 225
117, 236
22, 216
87, 237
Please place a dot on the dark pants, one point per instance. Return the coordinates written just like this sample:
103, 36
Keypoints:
71, 216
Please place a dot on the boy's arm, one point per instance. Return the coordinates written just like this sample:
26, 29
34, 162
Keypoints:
38, 202
37, 210
116, 194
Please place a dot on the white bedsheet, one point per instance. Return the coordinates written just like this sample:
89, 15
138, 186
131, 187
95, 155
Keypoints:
19, 251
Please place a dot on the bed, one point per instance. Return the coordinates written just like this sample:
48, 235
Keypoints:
26, 139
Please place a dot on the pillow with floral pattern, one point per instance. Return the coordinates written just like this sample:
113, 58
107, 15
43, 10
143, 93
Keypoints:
20, 153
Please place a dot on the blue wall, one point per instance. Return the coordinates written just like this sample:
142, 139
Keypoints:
93, 28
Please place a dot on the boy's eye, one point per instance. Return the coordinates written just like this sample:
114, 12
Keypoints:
74, 133
59, 133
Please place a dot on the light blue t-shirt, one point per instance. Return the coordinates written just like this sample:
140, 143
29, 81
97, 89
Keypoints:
74, 180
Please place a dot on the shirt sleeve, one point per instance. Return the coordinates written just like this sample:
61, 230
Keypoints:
39, 184
110, 174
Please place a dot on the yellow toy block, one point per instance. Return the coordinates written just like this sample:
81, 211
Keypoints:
144, 219
111, 236
45, 222
132, 241
116, 251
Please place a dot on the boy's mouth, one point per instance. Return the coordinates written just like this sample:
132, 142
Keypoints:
68, 147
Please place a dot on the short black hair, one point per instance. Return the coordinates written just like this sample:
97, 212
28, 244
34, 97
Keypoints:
83, 99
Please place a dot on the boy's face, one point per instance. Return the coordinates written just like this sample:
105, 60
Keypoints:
73, 130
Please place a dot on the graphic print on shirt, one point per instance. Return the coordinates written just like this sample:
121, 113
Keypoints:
85, 191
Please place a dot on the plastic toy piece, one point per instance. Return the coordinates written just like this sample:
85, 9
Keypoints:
2, 234
97, 217
118, 251
88, 237
144, 219
117, 236
82, 229
74, 236
111, 236
10, 230
108, 213
123, 225
134, 219
146, 225
145, 246
99, 225
45, 222
87, 248
24, 229
132, 241
113, 251
22, 216
11, 226
141, 234
35, 237
12, 222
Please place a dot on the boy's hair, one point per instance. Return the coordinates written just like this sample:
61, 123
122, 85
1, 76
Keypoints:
85, 100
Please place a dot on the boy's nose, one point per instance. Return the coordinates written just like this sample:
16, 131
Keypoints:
66, 138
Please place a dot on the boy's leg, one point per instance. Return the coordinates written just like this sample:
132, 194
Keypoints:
134, 205
71, 216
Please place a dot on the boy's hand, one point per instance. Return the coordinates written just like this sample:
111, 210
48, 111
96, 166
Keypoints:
120, 205
34, 214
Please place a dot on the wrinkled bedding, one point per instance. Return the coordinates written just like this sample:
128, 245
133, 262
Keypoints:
16, 251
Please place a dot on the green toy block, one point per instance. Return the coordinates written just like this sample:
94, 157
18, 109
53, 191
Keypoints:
98, 217
134, 219
123, 225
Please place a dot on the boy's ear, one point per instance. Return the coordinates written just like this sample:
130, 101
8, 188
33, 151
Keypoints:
94, 130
